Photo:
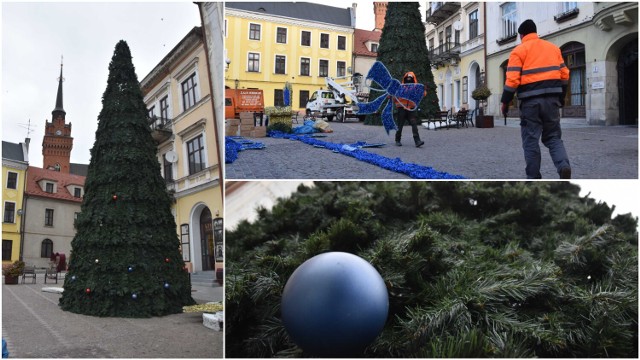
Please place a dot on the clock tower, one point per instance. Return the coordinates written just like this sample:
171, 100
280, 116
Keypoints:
57, 142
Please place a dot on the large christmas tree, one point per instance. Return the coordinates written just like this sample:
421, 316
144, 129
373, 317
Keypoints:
403, 48
473, 269
125, 258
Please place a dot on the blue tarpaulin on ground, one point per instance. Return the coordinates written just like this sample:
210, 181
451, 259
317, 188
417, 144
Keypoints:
235, 144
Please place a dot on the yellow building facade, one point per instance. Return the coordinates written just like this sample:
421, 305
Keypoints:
177, 93
14, 171
269, 44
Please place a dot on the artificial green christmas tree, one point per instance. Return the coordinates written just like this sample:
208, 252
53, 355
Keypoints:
472, 269
403, 48
125, 258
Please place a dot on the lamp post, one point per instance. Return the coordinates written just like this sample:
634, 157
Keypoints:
236, 83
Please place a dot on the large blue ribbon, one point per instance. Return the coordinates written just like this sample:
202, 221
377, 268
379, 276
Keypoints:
392, 88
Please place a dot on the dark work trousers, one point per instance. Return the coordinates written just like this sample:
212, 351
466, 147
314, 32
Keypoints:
405, 115
540, 118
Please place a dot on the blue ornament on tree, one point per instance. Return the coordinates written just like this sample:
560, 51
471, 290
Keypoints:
130, 269
166, 285
134, 296
73, 278
334, 304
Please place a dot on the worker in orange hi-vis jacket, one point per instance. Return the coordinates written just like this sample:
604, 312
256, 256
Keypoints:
537, 72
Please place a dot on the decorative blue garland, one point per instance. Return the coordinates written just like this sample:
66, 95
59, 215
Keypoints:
415, 171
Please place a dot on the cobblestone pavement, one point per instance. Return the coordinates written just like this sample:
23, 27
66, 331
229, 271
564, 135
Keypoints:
35, 327
595, 152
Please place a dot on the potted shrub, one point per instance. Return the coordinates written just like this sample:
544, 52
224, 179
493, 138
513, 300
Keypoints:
481, 94
12, 272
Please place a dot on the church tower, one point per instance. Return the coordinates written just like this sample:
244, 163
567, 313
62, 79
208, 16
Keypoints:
57, 142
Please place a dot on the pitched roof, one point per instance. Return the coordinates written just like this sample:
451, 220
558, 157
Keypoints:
12, 151
35, 174
360, 39
298, 10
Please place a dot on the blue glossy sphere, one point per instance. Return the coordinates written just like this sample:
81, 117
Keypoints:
334, 304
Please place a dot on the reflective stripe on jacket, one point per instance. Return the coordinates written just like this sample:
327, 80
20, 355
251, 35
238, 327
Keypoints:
535, 68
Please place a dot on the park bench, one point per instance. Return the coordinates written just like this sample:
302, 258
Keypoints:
460, 118
439, 117
52, 272
29, 272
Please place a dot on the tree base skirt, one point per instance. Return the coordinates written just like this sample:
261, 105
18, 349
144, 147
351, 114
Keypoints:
484, 121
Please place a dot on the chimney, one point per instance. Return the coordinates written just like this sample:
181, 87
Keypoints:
380, 11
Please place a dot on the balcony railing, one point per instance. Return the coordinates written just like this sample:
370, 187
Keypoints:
440, 11
445, 54
160, 128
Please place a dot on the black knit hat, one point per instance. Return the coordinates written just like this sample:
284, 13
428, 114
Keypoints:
527, 27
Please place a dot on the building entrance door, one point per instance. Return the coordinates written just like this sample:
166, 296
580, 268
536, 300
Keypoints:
628, 83
206, 240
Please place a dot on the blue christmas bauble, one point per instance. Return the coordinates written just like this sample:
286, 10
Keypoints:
134, 296
166, 285
334, 304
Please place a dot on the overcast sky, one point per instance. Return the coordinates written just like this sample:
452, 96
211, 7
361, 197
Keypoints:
36, 35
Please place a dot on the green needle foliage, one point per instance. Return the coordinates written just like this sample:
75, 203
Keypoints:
125, 260
473, 269
403, 48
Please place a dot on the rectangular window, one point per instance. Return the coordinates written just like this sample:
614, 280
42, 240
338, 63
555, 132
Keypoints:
473, 25
77, 192
324, 41
151, 111
48, 187
281, 62
324, 68
509, 20
278, 97
10, 212
305, 38
168, 168
48, 217
456, 37
7, 248
254, 31
12, 180
253, 64
189, 92
431, 44
184, 240
374, 47
342, 42
568, 6
447, 34
75, 219
304, 98
195, 151
164, 107
305, 66
465, 89
341, 68
281, 35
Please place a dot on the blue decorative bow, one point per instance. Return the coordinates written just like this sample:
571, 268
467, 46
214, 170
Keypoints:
393, 88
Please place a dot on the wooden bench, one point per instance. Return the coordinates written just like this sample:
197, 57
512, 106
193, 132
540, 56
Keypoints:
439, 117
29, 272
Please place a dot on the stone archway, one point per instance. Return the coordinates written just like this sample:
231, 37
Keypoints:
627, 68
199, 236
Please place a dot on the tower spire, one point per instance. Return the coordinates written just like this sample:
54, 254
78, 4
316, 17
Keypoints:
59, 110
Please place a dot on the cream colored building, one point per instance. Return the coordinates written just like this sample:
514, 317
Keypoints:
455, 39
178, 97
599, 44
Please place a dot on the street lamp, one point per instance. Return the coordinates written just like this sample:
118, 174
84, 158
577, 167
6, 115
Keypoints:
237, 82
227, 61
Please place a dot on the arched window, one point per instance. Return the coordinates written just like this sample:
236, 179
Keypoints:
46, 249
